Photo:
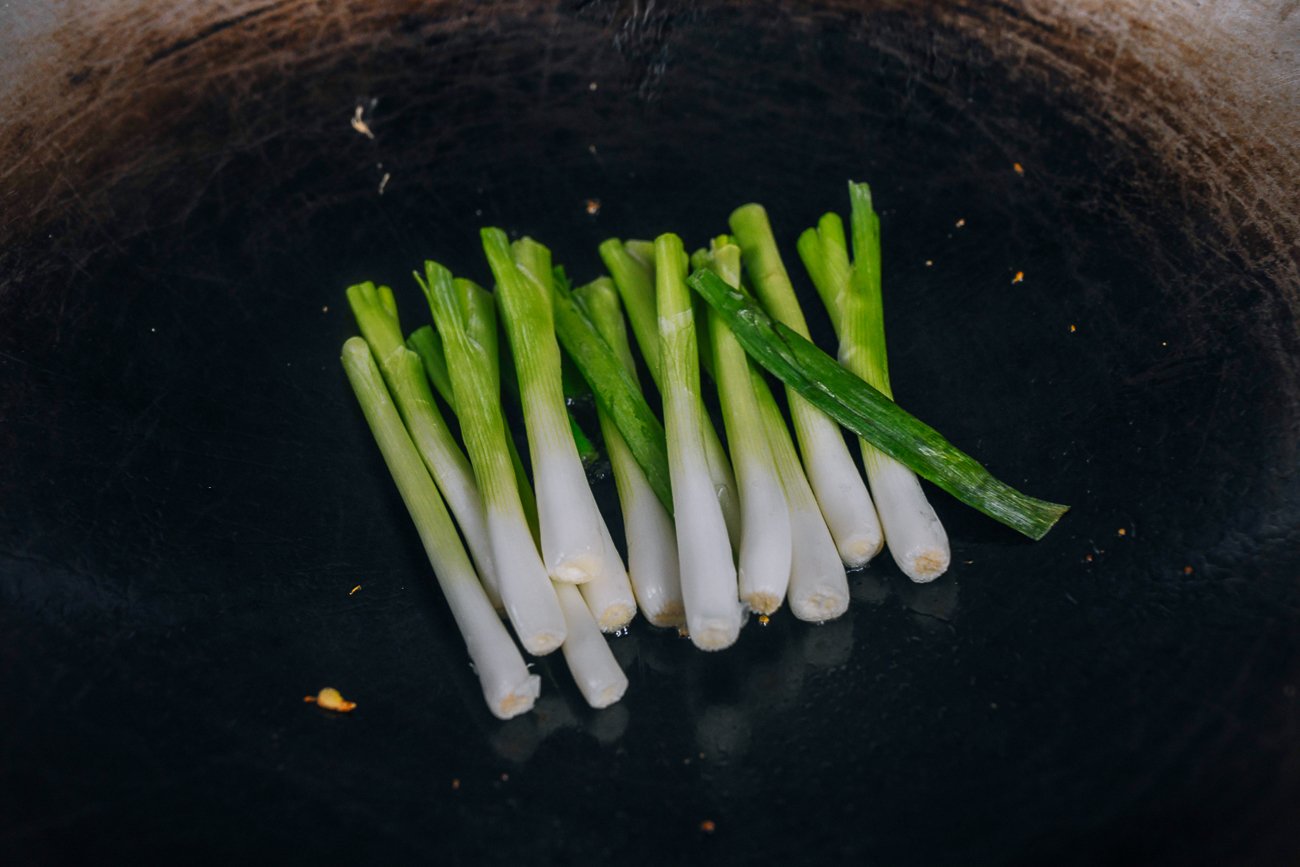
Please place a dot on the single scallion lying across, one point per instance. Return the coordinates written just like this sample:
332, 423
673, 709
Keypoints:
573, 545
648, 526
852, 294
631, 264
713, 613
466, 322
846, 398
508, 687
835, 480
376, 314
763, 563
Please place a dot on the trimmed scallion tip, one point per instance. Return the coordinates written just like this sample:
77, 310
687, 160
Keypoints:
763, 564
573, 546
849, 400
651, 543
713, 611
839, 487
852, 294
466, 321
507, 686
631, 265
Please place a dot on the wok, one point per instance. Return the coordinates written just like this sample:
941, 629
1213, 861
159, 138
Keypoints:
188, 493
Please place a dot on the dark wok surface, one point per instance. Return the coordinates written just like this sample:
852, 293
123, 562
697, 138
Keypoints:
187, 492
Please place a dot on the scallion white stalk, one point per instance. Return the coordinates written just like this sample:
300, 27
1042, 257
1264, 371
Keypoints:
763, 564
713, 610
631, 264
651, 543
835, 480
819, 587
852, 294
376, 314
464, 315
573, 546
508, 687
591, 662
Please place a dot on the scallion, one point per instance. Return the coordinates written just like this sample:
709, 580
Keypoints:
651, 543
631, 264
464, 315
508, 687
819, 587
763, 562
608, 591
572, 544
852, 294
713, 612
835, 480
376, 314
849, 400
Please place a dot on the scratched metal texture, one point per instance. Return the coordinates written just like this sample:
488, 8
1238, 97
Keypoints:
188, 494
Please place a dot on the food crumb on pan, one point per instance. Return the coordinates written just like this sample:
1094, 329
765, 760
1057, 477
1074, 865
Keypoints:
1121, 532
1019, 278
354, 590
593, 206
383, 182
1073, 328
330, 699
961, 222
708, 826
1188, 570
455, 784
763, 619
929, 263
1018, 168
359, 124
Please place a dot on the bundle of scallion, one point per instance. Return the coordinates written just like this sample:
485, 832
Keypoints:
703, 543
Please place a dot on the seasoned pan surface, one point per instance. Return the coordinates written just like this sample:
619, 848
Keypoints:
188, 494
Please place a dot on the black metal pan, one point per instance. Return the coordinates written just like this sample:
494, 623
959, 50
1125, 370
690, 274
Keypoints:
188, 493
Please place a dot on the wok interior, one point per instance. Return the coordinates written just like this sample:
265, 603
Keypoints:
188, 478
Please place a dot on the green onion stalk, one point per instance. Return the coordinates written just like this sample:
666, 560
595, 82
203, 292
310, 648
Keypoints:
651, 543
507, 686
464, 315
819, 586
713, 611
867, 412
375, 310
852, 295
608, 591
573, 545
763, 563
839, 487
631, 265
